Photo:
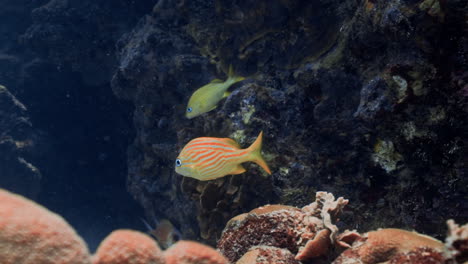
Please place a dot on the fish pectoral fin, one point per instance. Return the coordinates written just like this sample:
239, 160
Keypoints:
237, 170
213, 108
226, 94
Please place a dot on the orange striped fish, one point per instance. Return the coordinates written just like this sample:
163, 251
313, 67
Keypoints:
208, 158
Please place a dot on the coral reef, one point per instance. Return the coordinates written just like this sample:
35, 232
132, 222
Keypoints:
130, 247
30, 234
282, 234
306, 232
189, 252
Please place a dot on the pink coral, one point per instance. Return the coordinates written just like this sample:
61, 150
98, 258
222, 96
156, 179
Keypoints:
189, 252
129, 247
30, 234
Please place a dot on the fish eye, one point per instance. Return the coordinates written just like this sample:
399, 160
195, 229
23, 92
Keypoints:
178, 162
189, 109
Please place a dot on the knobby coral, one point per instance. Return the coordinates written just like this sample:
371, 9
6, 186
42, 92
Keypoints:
31, 234
189, 252
129, 247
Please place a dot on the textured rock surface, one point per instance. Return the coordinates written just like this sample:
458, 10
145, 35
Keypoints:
363, 99
17, 145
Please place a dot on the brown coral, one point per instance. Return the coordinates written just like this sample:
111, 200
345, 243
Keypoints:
385, 245
284, 227
30, 234
130, 247
315, 247
189, 252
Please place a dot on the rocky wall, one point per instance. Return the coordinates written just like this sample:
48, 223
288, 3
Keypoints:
365, 99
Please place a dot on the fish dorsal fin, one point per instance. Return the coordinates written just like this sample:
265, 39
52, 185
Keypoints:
230, 142
237, 170
217, 81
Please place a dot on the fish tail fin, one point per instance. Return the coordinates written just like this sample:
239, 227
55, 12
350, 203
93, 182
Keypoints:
255, 153
148, 226
232, 78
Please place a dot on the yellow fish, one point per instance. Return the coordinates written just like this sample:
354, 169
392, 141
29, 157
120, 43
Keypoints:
207, 97
208, 158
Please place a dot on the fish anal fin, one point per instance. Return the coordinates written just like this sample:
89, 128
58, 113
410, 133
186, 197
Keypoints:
226, 94
213, 108
237, 170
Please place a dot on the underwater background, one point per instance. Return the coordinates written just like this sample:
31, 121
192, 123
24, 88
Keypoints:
364, 99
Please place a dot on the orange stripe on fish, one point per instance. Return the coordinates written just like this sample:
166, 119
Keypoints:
203, 161
208, 158
236, 155
217, 155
